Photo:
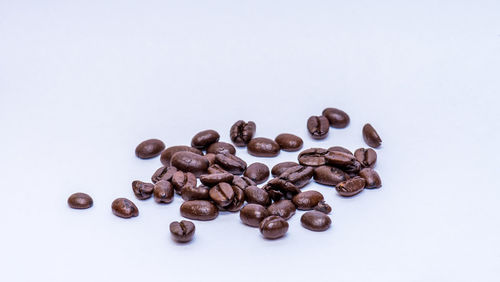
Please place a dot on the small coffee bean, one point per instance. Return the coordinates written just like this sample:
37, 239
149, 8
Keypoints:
371, 136
204, 138
367, 157
336, 117
163, 173
181, 179
318, 127
190, 192
273, 227
323, 207
350, 187
167, 155
142, 190
190, 162
241, 132
182, 231
231, 163
242, 182
253, 214
340, 149
263, 147
283, 208
124, 208
238, 200
307, 200
328, 175
149, 149
313, 157
278, 169
256, 195
163, 192
199, 210
221, 148
257, 172
80, 201
289, 142
315, 221
210, 158
222, 194
215, 168
215, 178
371, 177
298, 175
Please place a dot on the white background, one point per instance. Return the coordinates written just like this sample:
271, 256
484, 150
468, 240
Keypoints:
82, 83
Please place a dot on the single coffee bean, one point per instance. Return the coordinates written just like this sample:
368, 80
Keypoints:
149, 149
339, 159
278, 169
283, 208
163, 173
199, 210
190, 162
125, 208
278, 188
336, 117
190, 192
307, 200
258, 172
328, 175
371, 177
238, 200
222, 194
182, 231
242, 132
367, 157
273, 227
142, 190
323, 207
231, 163
371, 136
167, 155
253, 214
181, 179
215, 168
313, 157
215, 178
204, 138
340, 149
163, 192
256, 195
221, 148
298, 175
315, 221
80, 201
242, 182
350, 187
318, 127
289, 142
210, 158
263, 147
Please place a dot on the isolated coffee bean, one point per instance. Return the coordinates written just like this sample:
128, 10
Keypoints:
263, 147
315, 221
204, 138
190, 162
318, 127
142, 190
190, 192
216, 178
181, 179
163, 173
283, 208
336, 117
289, 142
340, 149
253, 214
182, 231
367, 157
231, 163
371, 177
199, 210
210, 158
215, 168
222, 194
257, 172
313, 157
350, 187
80, 201
241, 132
163, 192
323, 207
307, 200
328, 175
221, 148
298, 175
149, 148
167, 155
242, 182
273, 227
125, 208
238, 200
278, 169
371, 136
256, 195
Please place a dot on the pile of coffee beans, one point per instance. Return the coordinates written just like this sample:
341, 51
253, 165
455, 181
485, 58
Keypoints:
227, 183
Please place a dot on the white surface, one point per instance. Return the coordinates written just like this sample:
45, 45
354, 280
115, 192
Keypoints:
81, 84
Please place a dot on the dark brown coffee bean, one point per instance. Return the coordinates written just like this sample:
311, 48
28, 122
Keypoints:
167, 155
231, 163
125, 208
339, 159
163, 192
215, 168
238, 200
323, 207
142, 190
190, 162
289, 142
313, 157
336, 117
263, 147
241, 132
328, 175
80, 201
318, 127
181, 179
253, 214
367, 157
256, 195
182, 231
283, 208
190, 192
199, 210
298, 175
257, 172
210, 158
350, 187
273, 227
149, 149
221, 148
307, 200
215, 178
222, 194
242, 182
371, 136
204, 138
371, 177
163, 173
339, 149
278, 169
278, 188
315, 221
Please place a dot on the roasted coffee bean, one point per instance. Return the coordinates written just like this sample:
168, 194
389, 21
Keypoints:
199, 210
242, 182
323, 207
125, 208
336, 117
313, 157
350, 187
371, 136
190, 192
315, 221
286, 188
222, 194
328, 175
318, 127
258, 172
253, 214
273, 227
167, 155
298, 175
142, 190
256, 195
210, 158
149, 148
163, 173
367, 157
181, 179
204, 138
80, 201
242, 132
339, 159
238, 200
283, 208
339, 149
307, 200
190, 162
371, 177
275, 195
163, 192
216, 178
182, 231
278, 169
221, 148
289, 142
231, 163
263, 147
215, 168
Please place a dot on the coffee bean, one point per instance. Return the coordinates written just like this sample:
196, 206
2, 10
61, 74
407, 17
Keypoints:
210, 158
242, 182
283, 208
149, 148
313, 157
204, 138
221, 148
315, 221
346, 162
371, 136
323, 207
215, 168
318, 127
257, 172
278, 169
289, 142
241, 132
340, 149
80, 201
328, 175
256, 195
190, 162
190, 192
142, 190
278, 188
222, 194
163, 173
124, 208
367, 157
371, 177
199, 210
336, 117
350, 187
215, 178
307, 200
181, 179
253, 214
167, 155
263, 147
238, 200
231, 163
163, 192
273, 227
182, 231
298, 175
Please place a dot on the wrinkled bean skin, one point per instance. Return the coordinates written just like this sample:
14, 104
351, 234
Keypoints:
231, 163
263, 147
149, 149
307, 200
180, 179
182, 231
190, 162
367, 157
80, 201
298, 175
242, 182
336, 117
350, 187
339, 149
241, 132
216, 178
199, 210
222, 194
283, 208
273, 227
221, 148
315, 221
163, 173
328, 175
167, 155
371, 177
163, 192
204, 138
318, 127
257, 172
323, 207
313, 157
289, 142
190, 192
253, 214
256, 195
371, 136
124, 208
278, 169
142, 190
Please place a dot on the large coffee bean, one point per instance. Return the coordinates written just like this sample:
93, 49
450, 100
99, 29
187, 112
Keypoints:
328, 175
80, 201
307, 200
181, 179
149, 148
367, 157
283, 208
190, 162
315, 221
241, 132
222, 194
167, 155
124, 208
350, 187
221, 148
371, 177
257, 172
216, 178
142, 190
204, 138
278, 169
182, 231
263, 147
313, 157
253, 214
371, 136
273, 227
256, 195
231, 163
336, 117
190, 192
163, 173
289, 142
199, 210
298, 175
163, 192
318, 127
